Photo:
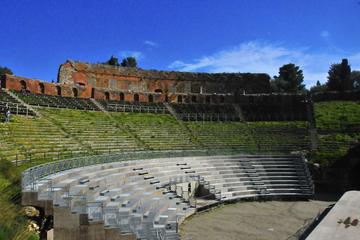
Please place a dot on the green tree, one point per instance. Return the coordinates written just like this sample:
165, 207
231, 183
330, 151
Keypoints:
290, 79
355, 78
129, 62
113, 61
319, 87
339, 78
5, 70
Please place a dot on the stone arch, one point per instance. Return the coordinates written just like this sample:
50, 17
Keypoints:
151, 98
158, 90
41, 88
179, 99
75, 92
107, 96
58, 90
136, 97
222, 99
3, 83
122, 96
208, 99
193, 99
92, 92
23, 85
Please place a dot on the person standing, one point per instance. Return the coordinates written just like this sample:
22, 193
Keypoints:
7, 115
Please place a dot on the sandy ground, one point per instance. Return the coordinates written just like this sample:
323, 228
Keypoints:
252, 220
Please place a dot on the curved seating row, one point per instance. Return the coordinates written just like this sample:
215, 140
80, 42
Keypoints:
135, 198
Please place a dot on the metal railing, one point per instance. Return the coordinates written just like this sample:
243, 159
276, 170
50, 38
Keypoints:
15, 108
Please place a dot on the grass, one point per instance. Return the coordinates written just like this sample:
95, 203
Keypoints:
338, 124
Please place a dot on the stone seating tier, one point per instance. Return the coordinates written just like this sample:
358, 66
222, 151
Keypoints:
132, 196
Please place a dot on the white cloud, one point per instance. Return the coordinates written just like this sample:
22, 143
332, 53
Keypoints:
325, 34
255, 56
138, 55
151, 43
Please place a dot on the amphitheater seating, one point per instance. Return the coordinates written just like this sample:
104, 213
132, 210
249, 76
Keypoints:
7, 101
338, 126
123, 106
34, 139
136, 196
280, 136
94, 130
56, 101
252, 137
223, 135
158, 131
264, 112
205, 112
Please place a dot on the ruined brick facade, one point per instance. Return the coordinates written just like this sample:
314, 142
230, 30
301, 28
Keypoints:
121, 83
101, 81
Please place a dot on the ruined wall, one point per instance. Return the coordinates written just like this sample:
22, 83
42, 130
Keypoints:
18, 83
273, 107
336, 96
134, 80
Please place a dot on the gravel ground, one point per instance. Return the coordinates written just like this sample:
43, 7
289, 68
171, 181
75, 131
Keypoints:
252, 220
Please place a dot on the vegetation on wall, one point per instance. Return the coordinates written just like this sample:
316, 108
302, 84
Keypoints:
5, 70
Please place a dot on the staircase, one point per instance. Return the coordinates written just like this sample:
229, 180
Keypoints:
171, 110
99, 106
239, 112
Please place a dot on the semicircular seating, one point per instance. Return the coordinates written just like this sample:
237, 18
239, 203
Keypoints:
135, 199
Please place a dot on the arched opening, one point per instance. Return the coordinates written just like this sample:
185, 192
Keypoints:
23, 85
222, 99
93, 93
166, 98
151, 99
3, 83
207, 99
251, 99
58, 90
41, 88
136, 97
193, 99
158, 90
179, 99
122, 97
107, 95
75, 92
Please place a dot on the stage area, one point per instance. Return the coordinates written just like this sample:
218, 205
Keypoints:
252, 220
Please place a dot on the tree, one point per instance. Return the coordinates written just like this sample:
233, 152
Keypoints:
355, 78
113, 61
318, 87
5, 70
129, 62
339, 78
289, 80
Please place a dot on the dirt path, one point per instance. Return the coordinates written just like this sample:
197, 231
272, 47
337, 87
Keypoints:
252, 220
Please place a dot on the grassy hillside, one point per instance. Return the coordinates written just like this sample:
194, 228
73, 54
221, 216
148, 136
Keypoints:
338, 126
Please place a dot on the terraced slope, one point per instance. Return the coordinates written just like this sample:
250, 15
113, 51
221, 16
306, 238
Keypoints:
280, 136
338, 126
35, 138
223, 134
94, 129
158, 131
252, 137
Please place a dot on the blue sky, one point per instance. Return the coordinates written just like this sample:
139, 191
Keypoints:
211, 36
